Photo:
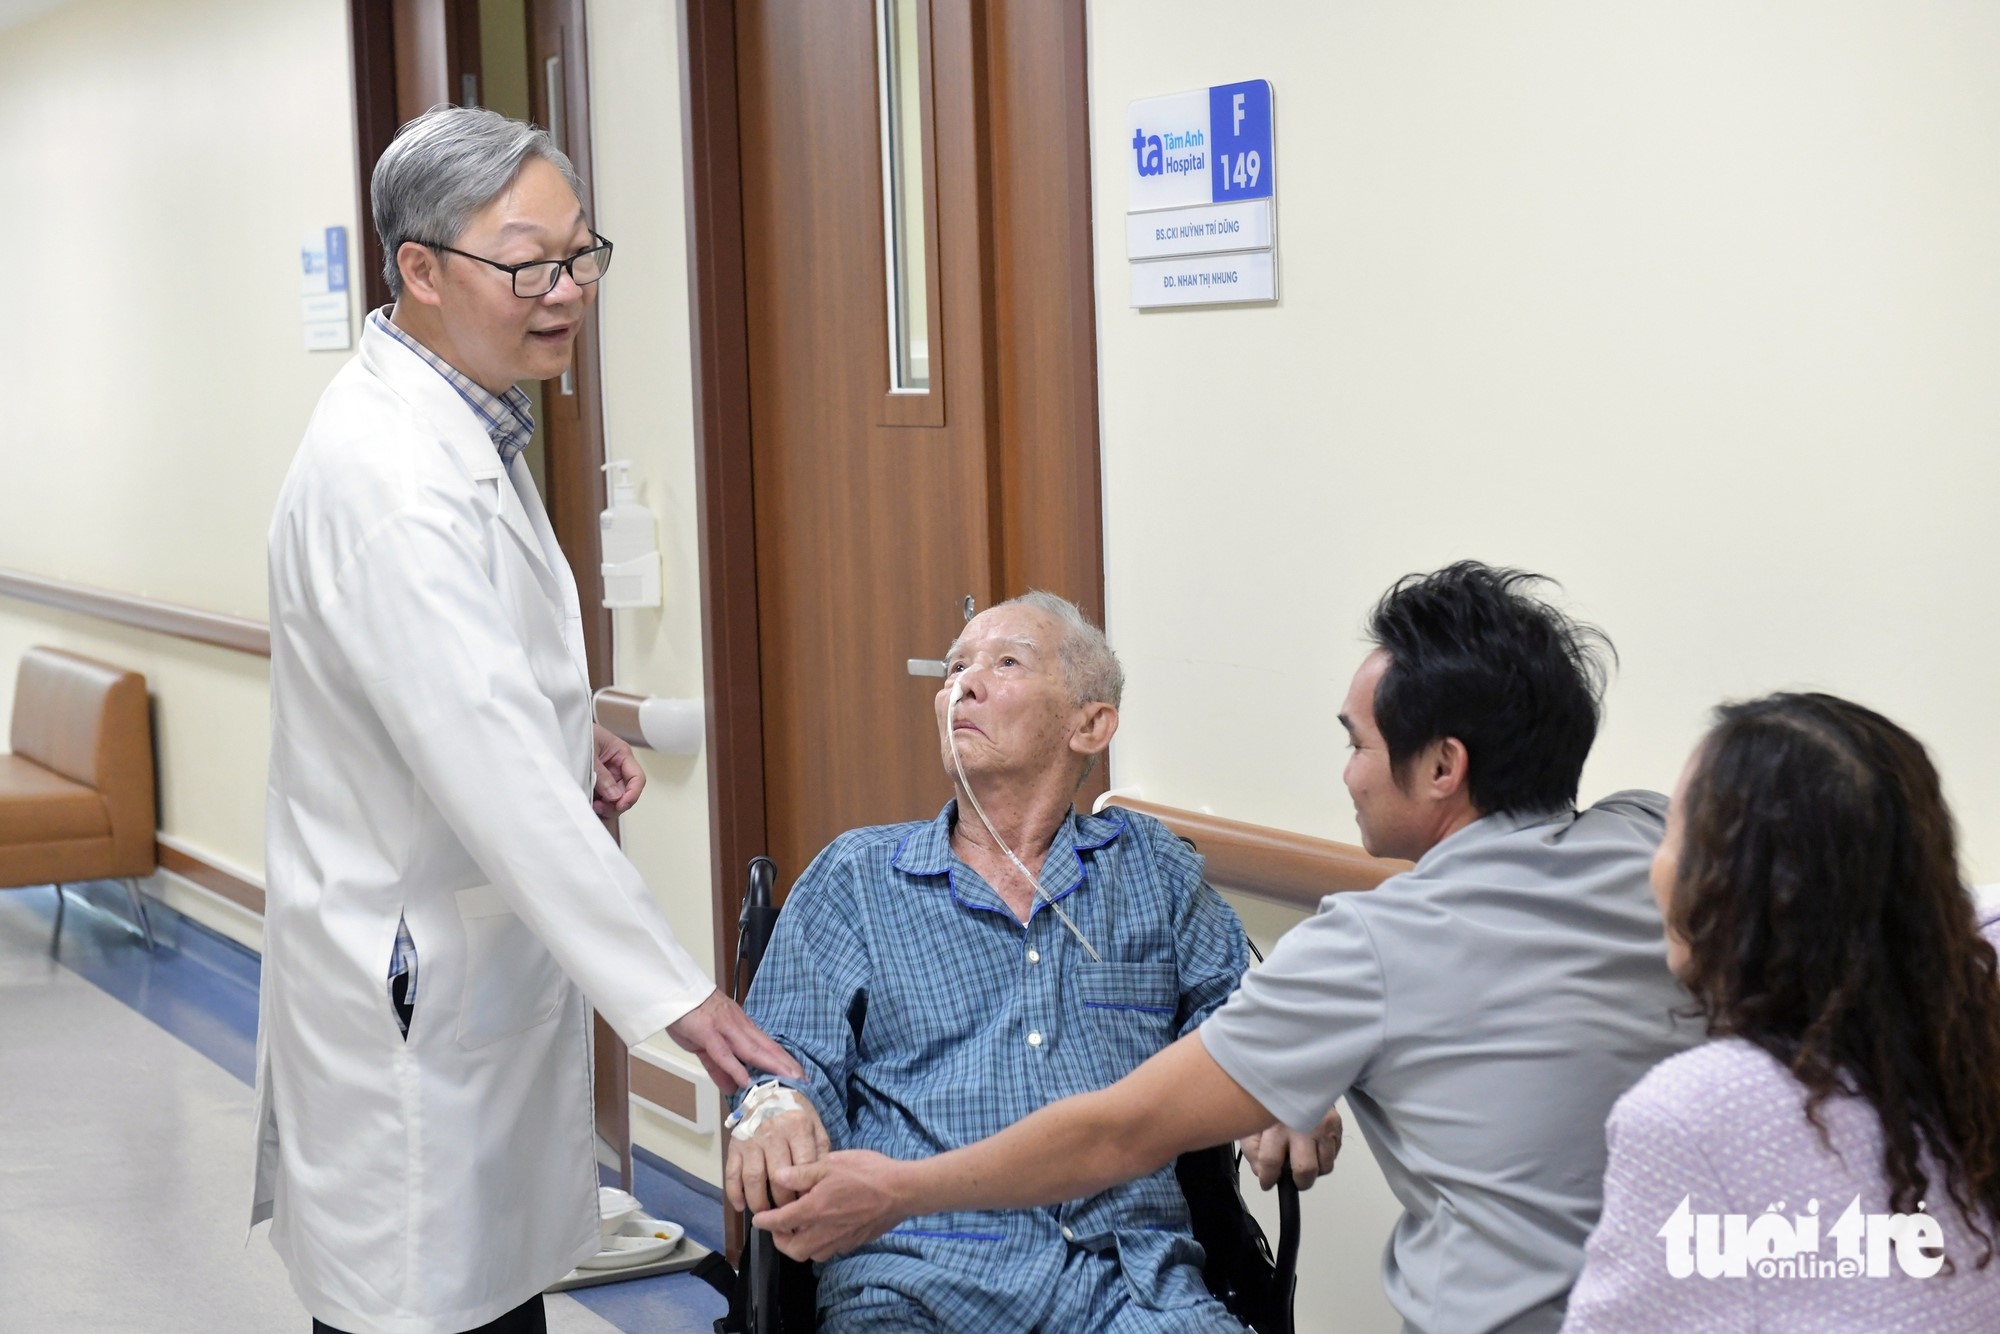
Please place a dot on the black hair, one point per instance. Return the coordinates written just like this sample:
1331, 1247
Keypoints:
1475, 656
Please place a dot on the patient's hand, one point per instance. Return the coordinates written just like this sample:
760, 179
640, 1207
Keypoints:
785, 1140
1311, 1156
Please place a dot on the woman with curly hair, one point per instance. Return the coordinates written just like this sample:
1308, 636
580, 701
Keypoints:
1810, 887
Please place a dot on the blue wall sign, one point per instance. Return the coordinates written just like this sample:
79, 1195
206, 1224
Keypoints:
1239, 128
336, 254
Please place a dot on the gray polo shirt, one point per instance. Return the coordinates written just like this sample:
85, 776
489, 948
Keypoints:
1481, 1013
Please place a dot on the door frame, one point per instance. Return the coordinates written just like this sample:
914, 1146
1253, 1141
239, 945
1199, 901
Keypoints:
1042, 408
726, 517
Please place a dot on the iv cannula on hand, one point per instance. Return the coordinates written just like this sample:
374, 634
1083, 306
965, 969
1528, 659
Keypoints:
965, 785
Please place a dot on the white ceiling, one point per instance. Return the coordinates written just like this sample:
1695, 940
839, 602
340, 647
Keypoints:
13, 13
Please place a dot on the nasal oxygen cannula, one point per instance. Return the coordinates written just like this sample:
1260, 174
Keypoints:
965, 785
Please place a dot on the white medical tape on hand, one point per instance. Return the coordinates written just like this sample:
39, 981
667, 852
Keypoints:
761, 1104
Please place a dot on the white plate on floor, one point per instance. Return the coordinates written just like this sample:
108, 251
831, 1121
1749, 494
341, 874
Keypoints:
638, 1241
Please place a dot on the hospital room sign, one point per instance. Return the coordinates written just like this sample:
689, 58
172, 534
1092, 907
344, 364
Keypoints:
1201, 180
1205, 147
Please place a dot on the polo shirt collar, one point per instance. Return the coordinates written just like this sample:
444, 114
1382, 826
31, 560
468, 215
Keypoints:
1488, 827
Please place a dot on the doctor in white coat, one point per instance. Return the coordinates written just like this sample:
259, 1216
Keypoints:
444, 906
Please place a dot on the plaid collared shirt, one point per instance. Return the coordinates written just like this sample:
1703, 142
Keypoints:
927, 1016
508, 419
403, 964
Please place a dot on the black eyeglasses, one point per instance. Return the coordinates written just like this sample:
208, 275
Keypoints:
538, 277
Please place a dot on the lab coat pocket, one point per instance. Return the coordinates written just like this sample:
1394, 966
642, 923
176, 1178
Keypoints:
512, 982
1131, 1009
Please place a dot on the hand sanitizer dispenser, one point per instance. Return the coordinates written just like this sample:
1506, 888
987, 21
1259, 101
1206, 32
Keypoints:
630, 550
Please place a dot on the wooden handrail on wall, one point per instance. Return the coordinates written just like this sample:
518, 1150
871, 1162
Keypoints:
1296, 870
166, 618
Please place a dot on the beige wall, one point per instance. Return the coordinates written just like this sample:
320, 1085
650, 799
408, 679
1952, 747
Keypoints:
649, 419
1691, 306
162, 162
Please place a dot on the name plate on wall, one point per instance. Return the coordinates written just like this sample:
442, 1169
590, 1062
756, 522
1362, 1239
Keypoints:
1204, 230
1200, 184
1204, 280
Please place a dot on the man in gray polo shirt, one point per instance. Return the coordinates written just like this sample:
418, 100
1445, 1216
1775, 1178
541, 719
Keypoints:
1481, 1012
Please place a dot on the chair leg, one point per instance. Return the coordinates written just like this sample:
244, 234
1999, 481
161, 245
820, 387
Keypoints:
55, 941
139, 911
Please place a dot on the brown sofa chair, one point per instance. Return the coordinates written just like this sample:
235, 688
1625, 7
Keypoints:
76, 794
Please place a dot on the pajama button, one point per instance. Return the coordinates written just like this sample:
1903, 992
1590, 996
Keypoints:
1034, 1039
1068, 1235
1034, 956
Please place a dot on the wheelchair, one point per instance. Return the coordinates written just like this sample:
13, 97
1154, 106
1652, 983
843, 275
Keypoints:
774, 1294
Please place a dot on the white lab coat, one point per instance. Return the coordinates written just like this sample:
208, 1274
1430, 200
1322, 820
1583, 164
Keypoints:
431, 759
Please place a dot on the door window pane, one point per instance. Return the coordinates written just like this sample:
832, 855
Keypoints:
897, 34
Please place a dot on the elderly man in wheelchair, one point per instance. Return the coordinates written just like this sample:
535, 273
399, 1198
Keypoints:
940, 980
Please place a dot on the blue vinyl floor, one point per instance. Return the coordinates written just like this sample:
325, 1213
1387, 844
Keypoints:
125, 1153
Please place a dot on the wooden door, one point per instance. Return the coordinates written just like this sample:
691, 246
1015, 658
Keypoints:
872, 512
845, 525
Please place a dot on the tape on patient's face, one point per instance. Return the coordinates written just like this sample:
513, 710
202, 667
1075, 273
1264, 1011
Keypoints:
761, 1104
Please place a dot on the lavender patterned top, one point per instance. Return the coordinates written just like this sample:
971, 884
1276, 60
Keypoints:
1720, 1131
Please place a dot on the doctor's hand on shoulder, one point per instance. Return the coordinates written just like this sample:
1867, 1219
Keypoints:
620, 780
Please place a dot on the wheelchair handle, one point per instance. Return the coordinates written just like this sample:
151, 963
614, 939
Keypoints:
1288, 1226
755, 923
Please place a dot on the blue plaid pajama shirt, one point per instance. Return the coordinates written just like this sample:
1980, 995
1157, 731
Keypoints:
927, 1017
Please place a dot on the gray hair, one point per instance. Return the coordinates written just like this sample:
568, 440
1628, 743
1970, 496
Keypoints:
1089, 667
445, 166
